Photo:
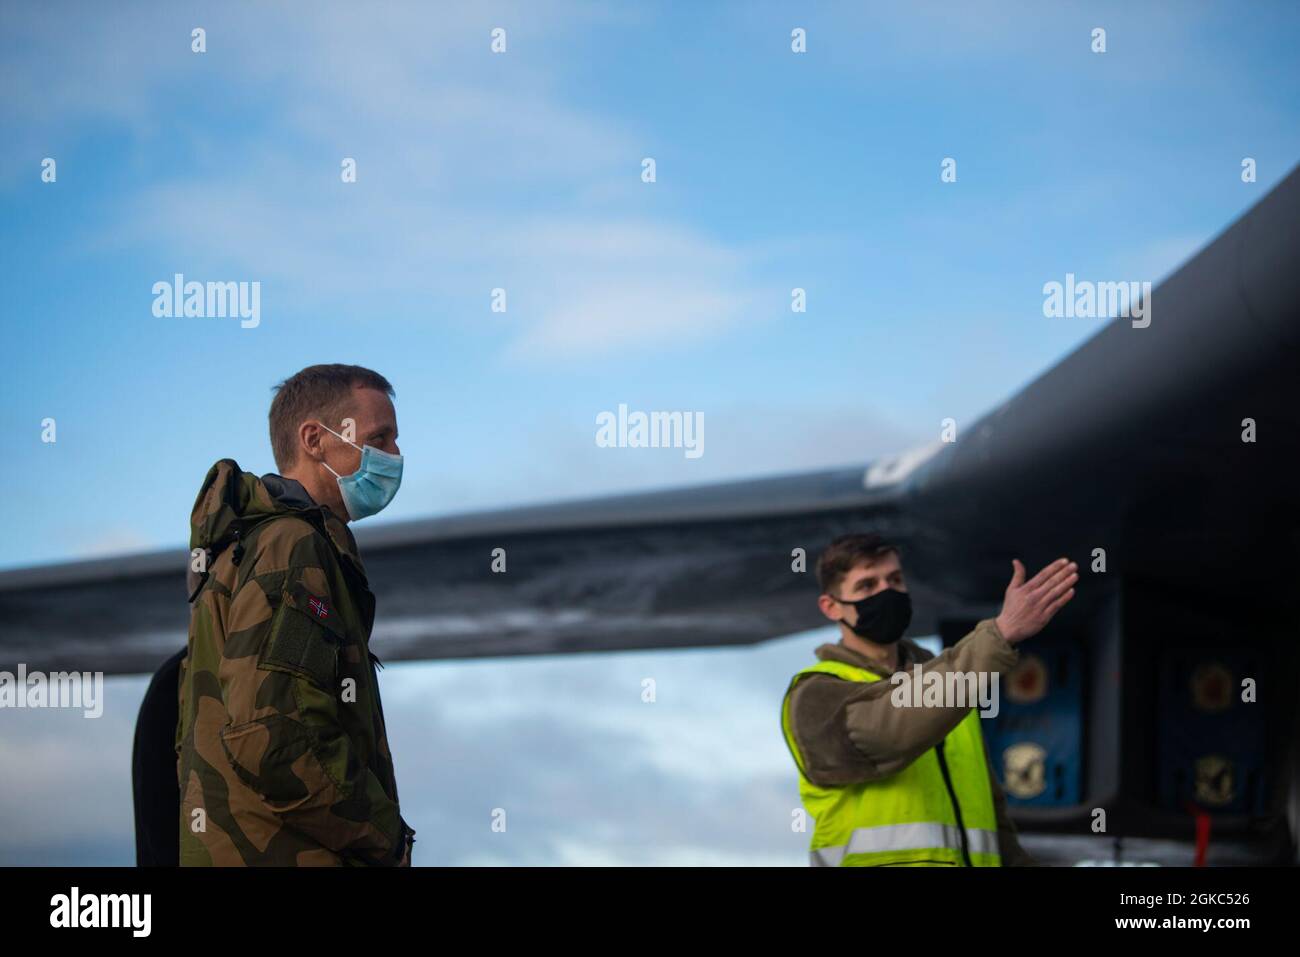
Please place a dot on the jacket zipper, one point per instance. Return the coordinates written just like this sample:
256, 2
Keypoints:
349, 572
947, 781
404, 838
379, 717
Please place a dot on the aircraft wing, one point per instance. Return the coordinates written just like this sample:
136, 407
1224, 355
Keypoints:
699, 566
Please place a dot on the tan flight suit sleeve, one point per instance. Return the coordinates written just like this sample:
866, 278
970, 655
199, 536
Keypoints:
848, 732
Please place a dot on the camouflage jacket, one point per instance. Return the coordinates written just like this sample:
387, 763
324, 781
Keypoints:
282, 755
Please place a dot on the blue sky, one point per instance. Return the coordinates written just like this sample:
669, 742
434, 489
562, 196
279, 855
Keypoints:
522, 171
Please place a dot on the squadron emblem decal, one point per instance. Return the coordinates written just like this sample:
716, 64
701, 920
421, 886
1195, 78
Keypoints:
1027, 682
1024, 769
1212, 688
1214, 780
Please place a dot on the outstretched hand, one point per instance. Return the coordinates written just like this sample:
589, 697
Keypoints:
1030, 605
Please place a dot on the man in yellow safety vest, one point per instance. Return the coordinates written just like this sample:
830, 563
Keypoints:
888, 782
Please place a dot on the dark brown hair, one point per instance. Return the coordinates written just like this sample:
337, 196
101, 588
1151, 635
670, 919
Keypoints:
317, 392
847, 552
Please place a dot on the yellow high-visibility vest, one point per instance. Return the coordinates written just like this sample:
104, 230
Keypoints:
936, 811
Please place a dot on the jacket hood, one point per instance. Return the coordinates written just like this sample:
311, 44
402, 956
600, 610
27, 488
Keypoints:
231, 502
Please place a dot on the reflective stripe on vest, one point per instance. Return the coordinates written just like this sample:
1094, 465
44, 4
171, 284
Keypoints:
907, 818
906, 837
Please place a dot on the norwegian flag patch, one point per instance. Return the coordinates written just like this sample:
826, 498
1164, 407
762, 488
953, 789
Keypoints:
319, 607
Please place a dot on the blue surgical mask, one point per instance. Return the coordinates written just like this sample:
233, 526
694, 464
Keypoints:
373, 485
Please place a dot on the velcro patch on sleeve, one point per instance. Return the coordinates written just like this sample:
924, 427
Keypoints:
319, 608
301, 645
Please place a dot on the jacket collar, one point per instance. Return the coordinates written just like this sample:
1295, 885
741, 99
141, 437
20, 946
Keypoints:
908, 655
291, 493
344, 541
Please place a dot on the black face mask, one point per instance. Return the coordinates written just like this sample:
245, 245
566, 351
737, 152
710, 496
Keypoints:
883, 617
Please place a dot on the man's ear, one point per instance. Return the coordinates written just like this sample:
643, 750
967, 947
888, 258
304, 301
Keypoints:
829, 607
309, 440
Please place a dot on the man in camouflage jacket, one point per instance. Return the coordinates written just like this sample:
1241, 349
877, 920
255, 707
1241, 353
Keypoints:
282, 752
